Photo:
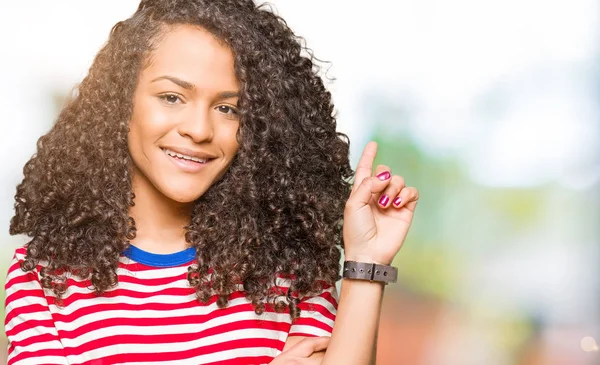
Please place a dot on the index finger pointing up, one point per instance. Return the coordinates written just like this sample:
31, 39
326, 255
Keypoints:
364, 168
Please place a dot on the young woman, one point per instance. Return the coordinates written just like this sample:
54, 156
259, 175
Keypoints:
186, 207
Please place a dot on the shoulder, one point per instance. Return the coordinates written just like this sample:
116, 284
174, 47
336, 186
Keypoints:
16, 277
20, 253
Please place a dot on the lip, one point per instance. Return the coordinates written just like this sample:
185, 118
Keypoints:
184, 151
186, 165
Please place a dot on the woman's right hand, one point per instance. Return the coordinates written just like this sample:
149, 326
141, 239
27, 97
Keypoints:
308, 351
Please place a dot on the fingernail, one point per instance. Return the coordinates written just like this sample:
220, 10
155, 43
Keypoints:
383, 200
397, 201
384, 176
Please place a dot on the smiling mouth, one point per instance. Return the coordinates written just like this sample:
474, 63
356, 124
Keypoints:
183, 157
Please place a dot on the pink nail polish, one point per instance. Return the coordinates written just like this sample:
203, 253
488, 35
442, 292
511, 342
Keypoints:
397, 201
383, 200
384, 176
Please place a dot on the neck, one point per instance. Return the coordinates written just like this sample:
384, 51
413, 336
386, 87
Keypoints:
159, 221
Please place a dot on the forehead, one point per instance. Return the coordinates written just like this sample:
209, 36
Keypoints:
193, 54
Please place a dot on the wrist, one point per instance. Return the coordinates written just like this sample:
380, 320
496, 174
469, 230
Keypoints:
362, 285
366, 258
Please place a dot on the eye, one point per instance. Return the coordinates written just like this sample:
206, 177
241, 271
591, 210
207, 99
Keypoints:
226, 109
170, 98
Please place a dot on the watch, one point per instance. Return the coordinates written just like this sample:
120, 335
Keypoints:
370, 271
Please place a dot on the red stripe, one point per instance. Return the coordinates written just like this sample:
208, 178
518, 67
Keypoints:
25, 293
190, 304
330, 298
220, 330
86, 283
187, 354
119, 292
21, 250
311, 322
38, 353
29, 309
22, 278
152, 281
162, 321
34, 323
123, 278
44, 337
236, 361
312, 307
127, 293
15, 265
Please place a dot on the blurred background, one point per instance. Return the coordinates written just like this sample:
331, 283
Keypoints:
490, 108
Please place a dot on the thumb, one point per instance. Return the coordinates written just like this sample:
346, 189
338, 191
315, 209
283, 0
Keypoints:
308, 346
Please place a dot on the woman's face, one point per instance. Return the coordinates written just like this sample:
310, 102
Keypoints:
183, 127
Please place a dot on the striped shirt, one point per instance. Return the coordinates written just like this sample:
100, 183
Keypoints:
151, 317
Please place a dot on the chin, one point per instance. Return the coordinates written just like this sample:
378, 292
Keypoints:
185, 199
182, 195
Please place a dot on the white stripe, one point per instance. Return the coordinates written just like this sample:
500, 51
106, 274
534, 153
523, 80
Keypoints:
27, 285
24, 302
283, 282
146, 313
42, 360
120, 299
30, 332
140, 288
125, 299
36, 346
318, 300
168, 329
318, 316
21, 303
308, 329
15, 273
163, 272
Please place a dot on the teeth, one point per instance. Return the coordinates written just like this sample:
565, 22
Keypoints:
185, 157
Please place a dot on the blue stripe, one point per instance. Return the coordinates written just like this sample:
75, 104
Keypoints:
160, 260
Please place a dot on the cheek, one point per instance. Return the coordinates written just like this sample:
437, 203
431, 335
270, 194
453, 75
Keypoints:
231, 144
148, 122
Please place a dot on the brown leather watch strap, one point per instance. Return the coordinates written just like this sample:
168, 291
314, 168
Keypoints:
369, 271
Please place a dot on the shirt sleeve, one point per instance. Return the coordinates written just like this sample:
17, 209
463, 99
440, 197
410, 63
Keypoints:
32, 336
317, 314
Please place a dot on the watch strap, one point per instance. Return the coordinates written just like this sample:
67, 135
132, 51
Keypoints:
370, 271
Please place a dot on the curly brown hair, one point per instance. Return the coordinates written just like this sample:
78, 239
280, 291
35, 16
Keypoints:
277, 210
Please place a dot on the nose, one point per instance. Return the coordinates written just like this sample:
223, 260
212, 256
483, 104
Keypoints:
197, 125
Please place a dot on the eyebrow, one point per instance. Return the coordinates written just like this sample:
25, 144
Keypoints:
184, 84
228, 94
189, 86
